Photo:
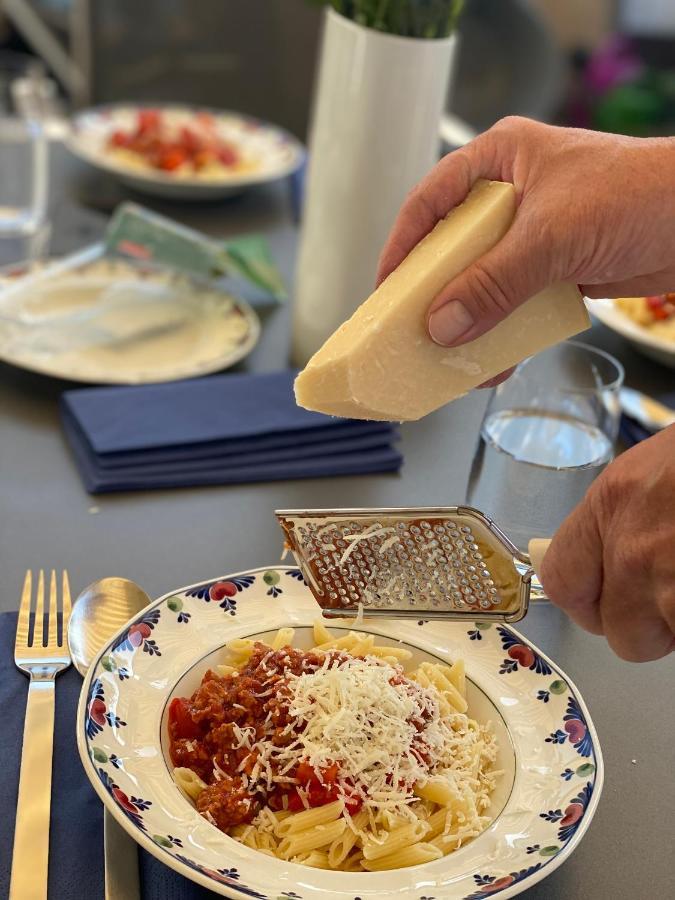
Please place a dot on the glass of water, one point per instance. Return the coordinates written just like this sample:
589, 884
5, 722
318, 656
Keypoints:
548, 432
23, 189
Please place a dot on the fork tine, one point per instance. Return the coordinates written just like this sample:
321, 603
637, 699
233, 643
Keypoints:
52, 632
23, 624
39, 627
66, 604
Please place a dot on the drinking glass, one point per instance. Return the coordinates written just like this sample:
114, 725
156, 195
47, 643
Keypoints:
23, 189
547, 433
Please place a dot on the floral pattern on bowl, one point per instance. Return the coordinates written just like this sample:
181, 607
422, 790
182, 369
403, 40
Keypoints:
557, 766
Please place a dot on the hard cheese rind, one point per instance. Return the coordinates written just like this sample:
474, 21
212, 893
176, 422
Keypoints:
382, 364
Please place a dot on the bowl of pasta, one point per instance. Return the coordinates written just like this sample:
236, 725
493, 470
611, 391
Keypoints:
260, 753
183, 152
647, 322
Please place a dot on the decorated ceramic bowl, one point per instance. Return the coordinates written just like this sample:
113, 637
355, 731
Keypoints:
549, 752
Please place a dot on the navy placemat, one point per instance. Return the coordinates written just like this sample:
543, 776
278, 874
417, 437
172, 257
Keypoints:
76, 835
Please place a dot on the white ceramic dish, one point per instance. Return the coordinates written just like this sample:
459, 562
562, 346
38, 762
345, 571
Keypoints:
549, 750
207, 343
275, 152
642, 339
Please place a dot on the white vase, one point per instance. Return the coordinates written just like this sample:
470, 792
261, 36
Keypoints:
375, 133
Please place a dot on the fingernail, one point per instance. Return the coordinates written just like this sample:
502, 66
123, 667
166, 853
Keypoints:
449, 322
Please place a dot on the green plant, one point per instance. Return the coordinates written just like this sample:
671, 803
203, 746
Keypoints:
408, 18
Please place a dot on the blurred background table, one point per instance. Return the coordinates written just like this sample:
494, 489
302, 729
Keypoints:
164, 539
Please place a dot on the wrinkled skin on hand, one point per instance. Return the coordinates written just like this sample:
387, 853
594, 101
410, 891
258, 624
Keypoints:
597, 210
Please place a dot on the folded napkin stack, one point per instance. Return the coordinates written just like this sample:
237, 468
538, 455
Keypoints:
226, 429
632, 432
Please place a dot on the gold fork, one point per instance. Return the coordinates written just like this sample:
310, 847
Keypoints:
41, 660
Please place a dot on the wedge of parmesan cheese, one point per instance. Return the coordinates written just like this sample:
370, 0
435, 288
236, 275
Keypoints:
382, 364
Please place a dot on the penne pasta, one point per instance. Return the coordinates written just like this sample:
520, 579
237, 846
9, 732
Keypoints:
398, 653
437, 790
414, 855
311, 818
189, 782
395, 840
283, 637
457, 676
438, 822
342, 847
224, 670
329, 753
318, 859
321, 634
311, 839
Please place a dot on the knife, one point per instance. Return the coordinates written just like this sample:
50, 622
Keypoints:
651, 414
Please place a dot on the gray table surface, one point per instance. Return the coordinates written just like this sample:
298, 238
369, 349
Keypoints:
165, 539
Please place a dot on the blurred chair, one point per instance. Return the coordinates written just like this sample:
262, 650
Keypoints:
256, 56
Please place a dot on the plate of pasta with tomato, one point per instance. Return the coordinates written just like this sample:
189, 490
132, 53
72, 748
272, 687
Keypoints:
647, 322
262, 753
183, 152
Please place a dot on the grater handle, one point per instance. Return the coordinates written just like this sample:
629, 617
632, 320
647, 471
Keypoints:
537, 550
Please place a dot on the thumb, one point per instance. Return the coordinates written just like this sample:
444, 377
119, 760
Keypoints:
492, 287
571, 572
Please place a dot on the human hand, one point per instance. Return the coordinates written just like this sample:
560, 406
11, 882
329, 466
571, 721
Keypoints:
611, 565
594, 209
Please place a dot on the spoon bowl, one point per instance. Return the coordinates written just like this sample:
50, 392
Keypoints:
100, 612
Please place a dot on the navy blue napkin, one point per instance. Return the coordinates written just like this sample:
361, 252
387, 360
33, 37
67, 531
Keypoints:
76, 834
632, 432
225, 429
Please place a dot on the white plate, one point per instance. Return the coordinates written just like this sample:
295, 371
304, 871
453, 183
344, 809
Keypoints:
204, 344
642, 339
549, 750
275, 152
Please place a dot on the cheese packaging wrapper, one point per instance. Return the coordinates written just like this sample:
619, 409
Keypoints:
382, 364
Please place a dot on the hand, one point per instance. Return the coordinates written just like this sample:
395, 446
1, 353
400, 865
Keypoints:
594, 209
611, 565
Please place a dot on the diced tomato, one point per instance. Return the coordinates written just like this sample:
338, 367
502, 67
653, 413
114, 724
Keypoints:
305, 773
655, 302
148, 120
119, 139
172, 158
295, 804
205, 119
203, 158
190, 141
181, 721
660, 313
227, 155
353, 804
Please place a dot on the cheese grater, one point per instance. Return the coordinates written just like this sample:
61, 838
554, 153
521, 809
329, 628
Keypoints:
440, 562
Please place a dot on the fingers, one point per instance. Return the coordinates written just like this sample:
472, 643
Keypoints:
445, 187
487, 291
633, 625
571, 572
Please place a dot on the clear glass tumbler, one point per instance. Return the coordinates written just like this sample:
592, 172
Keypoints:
23, 189
547, 433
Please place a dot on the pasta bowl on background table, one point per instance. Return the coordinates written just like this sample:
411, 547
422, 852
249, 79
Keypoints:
548, 755
257, 152
657, 343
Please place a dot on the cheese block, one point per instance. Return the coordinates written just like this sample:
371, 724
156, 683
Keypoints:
382, 364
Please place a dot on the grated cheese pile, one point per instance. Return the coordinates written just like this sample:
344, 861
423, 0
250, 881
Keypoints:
386, 737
